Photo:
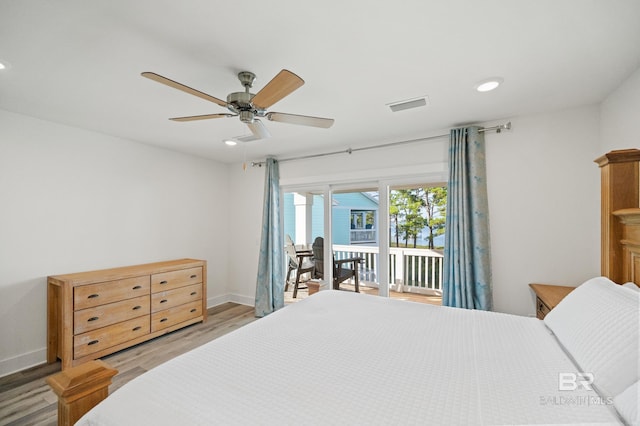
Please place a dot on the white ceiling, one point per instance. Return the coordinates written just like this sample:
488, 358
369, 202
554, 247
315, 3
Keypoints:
78, 62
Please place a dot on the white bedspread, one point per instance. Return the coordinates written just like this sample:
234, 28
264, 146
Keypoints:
353, 359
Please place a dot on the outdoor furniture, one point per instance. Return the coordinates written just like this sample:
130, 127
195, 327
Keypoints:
300, 261
343, 269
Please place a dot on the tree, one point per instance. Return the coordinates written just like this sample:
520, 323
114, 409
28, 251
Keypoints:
394, 214
412, 210
434, 202
405, 209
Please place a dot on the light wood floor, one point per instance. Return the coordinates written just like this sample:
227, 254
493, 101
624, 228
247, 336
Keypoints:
25, 398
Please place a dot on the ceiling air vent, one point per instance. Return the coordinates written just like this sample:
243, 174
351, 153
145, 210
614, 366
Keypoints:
409, 103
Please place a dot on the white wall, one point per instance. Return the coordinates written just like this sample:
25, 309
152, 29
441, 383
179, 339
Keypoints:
544, 195
620, 113
246, 192
425, 159
73, 200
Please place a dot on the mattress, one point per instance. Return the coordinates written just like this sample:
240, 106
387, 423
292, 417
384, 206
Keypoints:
347, 358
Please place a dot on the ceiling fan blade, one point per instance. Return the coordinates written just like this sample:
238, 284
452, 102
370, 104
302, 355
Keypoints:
201, 117
166, 81
280, 86
303, 120
258, 129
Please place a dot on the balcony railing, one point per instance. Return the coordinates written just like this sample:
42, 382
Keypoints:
360, 236
415, 270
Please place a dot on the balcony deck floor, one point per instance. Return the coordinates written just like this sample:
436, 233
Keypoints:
412, 297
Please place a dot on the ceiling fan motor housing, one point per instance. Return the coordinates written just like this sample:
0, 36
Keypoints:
240, 103
246, 116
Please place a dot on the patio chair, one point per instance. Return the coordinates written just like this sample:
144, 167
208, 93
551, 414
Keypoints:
341, 269
300, 261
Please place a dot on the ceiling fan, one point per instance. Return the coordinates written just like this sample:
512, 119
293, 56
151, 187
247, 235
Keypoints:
249, 106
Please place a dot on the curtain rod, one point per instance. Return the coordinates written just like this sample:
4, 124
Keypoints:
499, 128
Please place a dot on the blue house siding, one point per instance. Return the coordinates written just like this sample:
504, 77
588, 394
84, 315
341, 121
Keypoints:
289, 211
317, 218
340, 229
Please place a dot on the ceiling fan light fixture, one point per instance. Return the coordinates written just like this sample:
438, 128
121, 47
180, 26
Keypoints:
489, 84
258, 129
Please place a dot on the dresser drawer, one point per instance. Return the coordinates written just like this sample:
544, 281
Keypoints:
103, 338
87, 296
176, 315
174, 279
111, 313
179, 296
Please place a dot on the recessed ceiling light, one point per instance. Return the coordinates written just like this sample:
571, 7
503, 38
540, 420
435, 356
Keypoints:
489, 84
4, 65
229, 142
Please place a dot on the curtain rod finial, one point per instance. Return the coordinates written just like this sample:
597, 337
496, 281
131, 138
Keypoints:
502, 127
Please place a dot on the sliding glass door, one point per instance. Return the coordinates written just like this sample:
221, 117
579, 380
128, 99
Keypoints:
416, 238
355, 230
390, 235
303, 216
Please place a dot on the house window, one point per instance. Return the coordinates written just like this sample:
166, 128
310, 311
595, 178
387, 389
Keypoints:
363, 226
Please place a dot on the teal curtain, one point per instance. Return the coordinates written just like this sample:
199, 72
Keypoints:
467, 254
270, 281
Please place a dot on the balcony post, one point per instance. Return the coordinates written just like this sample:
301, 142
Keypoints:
304, 213
400, 271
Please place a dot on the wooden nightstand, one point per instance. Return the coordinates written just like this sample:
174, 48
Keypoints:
548, 297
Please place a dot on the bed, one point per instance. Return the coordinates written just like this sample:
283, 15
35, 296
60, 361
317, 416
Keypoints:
345, 358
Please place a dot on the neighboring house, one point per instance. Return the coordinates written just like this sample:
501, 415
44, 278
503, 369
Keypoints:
355, 216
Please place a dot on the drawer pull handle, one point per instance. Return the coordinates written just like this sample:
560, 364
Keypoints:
93, 342
136, 328
193, 276
193, 310
92, 296
138, 287
93, 319
135, 308
193, 293
163, 319
163, 282
163, 301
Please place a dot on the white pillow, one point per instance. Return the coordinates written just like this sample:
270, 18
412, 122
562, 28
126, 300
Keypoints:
627, 404
632, 286
597, 323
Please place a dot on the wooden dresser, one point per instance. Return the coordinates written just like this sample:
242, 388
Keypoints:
93, 314
548, 297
